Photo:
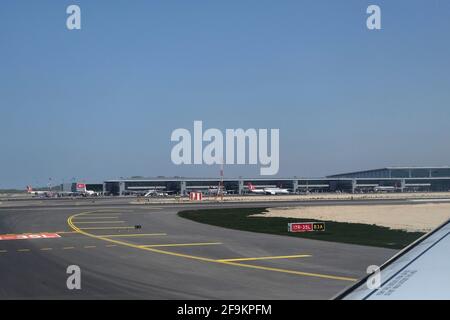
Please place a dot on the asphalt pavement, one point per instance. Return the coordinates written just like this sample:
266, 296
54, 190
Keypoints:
147, 252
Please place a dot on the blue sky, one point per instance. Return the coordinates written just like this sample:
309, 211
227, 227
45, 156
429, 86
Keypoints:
102, 102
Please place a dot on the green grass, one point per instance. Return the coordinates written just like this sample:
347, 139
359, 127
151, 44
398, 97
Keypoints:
354, 233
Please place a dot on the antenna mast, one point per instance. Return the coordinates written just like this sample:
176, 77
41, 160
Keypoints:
220, 190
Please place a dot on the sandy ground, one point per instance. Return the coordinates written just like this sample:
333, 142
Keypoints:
411, 217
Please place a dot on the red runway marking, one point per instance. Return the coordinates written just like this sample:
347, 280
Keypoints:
29, 236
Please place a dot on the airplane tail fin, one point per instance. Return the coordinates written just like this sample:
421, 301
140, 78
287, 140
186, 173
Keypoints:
29, 189
250, 186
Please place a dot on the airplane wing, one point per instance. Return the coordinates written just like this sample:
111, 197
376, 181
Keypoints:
419, 272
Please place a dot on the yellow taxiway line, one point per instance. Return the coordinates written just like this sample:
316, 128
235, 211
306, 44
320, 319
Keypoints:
134, 235
104, 228
155, 250
266, 258
181, 244
98, 222
95, 218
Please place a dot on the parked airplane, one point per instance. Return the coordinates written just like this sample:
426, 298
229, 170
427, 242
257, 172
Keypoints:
157, 193
216, 191
269, 191
81, 189
52, 194
384, 189
91, 193
38, 192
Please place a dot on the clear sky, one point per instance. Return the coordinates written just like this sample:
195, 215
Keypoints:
101, 102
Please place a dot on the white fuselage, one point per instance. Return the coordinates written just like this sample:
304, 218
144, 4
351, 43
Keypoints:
154, 193
269, 191
275, 191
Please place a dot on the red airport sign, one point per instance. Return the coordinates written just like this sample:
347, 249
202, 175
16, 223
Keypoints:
29, 236
306, 226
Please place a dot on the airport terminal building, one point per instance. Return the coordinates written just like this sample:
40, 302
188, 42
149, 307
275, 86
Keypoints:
389, 179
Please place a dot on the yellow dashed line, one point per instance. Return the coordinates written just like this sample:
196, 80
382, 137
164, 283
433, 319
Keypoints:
68, 248
46, 249
105, 228
111, 245
3, 251
299, 273
306, 274
99, 222
265, 258
134, 235
89, 247
181, 244
94, 218
23, 250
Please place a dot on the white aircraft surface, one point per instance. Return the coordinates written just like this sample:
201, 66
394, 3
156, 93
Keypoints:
46, 193
37, 192
268, 191
419, 272
217, 191
156, 193
384, 189
91, 193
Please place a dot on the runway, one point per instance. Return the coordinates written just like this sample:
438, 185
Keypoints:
167, 258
